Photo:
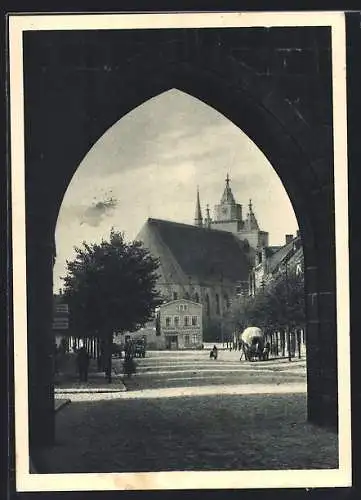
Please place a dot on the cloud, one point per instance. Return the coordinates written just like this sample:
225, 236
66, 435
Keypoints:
159, 130
97, 212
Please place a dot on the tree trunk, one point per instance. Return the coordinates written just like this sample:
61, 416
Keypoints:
98, 355
289, 343
277, 349
283, 342
299, 343
108, 357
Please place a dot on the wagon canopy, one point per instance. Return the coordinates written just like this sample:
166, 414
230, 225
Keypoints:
252, 333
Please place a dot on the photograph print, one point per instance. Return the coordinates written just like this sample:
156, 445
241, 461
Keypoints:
179, 218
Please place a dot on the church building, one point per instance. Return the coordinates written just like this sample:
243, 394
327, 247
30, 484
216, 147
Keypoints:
209, 262
214, 260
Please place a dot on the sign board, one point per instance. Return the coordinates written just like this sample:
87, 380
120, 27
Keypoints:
62, 308
60, 324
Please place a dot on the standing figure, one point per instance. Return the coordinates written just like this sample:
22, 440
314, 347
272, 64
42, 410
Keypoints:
129, 364
266, 351
82, 360
214, 353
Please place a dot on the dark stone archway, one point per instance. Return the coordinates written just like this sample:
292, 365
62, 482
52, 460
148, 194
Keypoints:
275, 84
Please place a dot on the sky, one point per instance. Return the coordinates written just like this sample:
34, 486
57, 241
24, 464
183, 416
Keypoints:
150, 163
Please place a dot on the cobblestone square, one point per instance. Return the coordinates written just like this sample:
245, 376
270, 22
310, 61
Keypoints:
183, 411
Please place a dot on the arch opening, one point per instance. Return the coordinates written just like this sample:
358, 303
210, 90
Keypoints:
174, 158
235, 100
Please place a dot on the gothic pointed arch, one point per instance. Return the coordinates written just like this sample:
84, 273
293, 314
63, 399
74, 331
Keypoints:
274, 108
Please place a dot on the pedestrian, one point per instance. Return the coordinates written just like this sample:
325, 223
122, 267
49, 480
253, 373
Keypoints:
129, 366
128, 349
266, 351
214, 353
82, 360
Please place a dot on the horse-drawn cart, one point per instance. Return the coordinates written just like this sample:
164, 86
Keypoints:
253, 344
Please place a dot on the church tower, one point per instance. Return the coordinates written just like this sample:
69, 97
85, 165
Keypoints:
227, 213
228, 217
198, 220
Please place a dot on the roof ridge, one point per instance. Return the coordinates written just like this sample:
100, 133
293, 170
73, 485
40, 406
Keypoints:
150, 219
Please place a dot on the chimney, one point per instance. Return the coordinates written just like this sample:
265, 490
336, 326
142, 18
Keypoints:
289, 238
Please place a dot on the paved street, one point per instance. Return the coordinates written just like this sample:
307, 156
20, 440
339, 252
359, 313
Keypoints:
195, 369
183, 411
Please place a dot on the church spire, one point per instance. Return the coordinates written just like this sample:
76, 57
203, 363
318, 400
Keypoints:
198, 220
207, 219
251, 221
227, 196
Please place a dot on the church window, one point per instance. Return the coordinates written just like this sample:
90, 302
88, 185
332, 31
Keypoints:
196, 297
186, 339
208, 310
176, 320
217, 304
186, 296
175, 295
186, 320
194, 320
167, 321
194, 338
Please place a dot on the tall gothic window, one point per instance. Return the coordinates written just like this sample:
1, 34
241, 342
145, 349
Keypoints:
218, 311
196, 297
208, 310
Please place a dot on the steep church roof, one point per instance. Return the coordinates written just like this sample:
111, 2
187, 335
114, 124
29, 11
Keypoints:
204, 255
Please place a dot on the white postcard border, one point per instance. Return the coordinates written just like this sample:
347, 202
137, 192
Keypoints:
178, 480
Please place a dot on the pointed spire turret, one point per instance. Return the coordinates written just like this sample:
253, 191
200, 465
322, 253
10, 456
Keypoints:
227, 196
251, 221
207, 219
198, 220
